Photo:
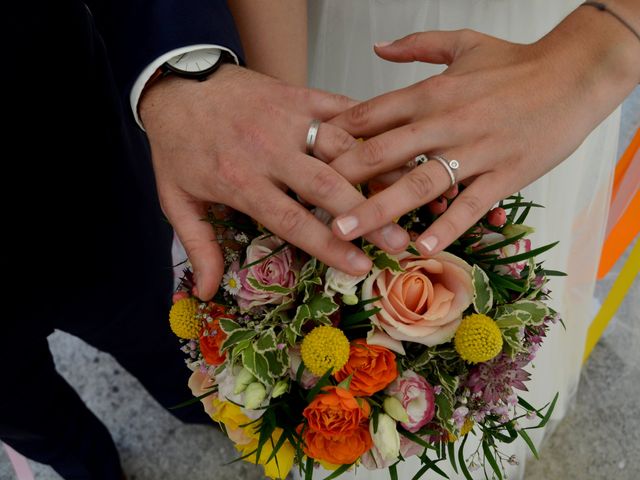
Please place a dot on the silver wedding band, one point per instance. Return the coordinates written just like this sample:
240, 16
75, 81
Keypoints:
312, 135
451, 166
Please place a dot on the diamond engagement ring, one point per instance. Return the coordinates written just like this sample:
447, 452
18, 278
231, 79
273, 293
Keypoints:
312, 135
450, 165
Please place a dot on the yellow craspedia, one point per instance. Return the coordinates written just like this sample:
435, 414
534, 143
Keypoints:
478, 339
466, 428
182, 318
324, 348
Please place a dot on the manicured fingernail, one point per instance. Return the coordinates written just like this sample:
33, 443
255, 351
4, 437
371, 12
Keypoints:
346, 225
359, 261
382, 44
395, 237
429, 243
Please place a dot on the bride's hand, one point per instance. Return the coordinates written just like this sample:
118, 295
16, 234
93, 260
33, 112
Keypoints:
507, 112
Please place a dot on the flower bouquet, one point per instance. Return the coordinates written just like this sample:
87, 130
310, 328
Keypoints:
304, 365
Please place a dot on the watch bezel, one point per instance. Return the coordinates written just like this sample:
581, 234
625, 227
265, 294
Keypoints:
225, 57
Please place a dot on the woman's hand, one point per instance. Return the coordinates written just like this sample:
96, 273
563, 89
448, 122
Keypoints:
508, 113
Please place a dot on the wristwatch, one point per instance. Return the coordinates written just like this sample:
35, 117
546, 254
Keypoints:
197, 64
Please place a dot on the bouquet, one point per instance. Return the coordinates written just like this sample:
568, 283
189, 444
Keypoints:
304, 365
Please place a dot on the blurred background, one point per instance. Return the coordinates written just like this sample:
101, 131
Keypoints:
599, 439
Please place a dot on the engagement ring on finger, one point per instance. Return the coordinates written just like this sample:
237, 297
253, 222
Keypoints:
450, 165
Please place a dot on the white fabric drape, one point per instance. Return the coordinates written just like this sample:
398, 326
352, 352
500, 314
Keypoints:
576, 193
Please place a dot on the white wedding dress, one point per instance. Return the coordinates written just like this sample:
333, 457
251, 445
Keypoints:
576, 193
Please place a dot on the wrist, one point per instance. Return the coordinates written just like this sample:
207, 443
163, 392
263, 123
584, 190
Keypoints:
165, 90
602, 48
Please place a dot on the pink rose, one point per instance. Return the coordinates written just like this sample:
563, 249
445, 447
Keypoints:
417, 398
519, 246
279, 270
424, 303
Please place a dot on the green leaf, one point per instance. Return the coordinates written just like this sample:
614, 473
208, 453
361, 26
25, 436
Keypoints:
322, 382
505, 281
393, 472
492, 461
228, 326
452, 456
308, 270
193, 400
503, 243
257, 364
524, 214
553, 273
461, 460
384, 261
522, 256
338, 471
266, 341
268, 288
308, 470
482, 292
527, 439
278, 361
549, 412
275, 251
358, 317
536, 309
322, 306
237, 336
428, 465
445, 409
277, 447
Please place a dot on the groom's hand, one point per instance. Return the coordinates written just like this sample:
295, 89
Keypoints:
238, 139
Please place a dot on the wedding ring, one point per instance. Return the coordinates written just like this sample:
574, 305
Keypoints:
312, 135
450, 165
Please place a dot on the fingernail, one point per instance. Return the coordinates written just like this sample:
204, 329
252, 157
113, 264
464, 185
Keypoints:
359, 261
429, 243
346, 225
382, 44
394, 237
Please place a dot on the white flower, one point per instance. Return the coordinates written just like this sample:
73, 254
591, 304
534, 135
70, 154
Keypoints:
386, 437
336, 281
231, 282
254, 395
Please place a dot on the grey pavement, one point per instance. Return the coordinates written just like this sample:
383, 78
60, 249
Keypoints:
599, 439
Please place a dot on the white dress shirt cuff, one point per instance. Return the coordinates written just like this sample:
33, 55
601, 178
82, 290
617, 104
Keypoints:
146, 74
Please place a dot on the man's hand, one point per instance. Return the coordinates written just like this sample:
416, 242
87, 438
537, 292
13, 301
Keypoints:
238, 139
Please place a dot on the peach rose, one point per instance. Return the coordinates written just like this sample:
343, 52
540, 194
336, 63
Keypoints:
337, 449
201, 383
336, 412
373, 368
424, 303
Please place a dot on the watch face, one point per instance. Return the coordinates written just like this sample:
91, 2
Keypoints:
196, 61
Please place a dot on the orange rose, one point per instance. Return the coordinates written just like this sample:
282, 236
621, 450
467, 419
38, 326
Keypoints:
424, 302
212, 336
336, 412
373, 368
337, 449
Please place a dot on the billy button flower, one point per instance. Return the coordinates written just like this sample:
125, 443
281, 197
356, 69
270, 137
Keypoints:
183, 318
324, 348
478, 339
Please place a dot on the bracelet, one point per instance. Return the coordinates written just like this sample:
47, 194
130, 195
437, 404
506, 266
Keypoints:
604, 8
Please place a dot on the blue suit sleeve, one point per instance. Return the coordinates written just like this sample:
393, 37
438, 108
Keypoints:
136, 32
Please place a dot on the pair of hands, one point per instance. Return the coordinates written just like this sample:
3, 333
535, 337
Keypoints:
509, 113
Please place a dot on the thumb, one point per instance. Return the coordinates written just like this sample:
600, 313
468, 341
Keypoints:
198, 237
437, 47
